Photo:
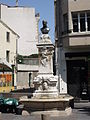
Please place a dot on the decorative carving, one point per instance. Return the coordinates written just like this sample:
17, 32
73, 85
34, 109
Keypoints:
44, 84
44, 57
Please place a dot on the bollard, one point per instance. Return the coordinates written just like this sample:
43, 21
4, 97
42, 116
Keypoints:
45, 117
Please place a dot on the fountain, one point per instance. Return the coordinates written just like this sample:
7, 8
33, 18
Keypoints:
46, 98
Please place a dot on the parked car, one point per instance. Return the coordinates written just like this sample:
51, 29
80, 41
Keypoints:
10, 105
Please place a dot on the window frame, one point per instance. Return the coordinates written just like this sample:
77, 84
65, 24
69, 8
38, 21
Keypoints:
8, 36
7, 55
79, 25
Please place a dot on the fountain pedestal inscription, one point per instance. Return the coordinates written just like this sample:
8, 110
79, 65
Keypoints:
46, 97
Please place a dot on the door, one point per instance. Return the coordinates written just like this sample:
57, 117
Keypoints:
77, 78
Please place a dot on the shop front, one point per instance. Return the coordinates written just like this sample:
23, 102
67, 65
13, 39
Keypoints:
6, 77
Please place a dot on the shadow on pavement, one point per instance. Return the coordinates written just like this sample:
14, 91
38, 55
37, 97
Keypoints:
24, 90
83, 108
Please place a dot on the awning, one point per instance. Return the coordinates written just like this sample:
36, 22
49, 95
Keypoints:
4, 65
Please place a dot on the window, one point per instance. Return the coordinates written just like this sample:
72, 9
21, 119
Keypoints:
8, 36
75, 22
81, 21
88, 21
7, 55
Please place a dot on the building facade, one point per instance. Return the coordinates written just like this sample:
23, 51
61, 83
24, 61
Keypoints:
24, 21
72, 39
8, 40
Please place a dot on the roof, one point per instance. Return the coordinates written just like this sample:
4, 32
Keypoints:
15, 6
9, 28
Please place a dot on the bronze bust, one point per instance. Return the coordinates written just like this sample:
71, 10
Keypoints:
45, 29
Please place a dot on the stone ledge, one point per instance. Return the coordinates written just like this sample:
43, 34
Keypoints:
51, 113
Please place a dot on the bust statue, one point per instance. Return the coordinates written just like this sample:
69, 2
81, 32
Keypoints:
45, 29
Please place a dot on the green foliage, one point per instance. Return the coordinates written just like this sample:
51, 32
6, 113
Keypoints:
19, 59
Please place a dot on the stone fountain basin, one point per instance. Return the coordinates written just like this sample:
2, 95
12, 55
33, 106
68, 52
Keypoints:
47, 104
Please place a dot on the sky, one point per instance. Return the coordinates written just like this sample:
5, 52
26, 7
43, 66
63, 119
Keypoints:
44, 7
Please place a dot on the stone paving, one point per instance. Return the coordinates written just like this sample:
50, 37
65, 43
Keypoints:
80, 112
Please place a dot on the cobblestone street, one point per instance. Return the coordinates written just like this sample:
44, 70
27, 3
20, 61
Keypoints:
80, 112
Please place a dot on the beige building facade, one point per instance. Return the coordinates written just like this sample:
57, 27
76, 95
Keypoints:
8, 40
72, 38
24, 21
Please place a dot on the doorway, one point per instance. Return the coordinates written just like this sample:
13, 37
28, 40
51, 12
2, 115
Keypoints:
77, 83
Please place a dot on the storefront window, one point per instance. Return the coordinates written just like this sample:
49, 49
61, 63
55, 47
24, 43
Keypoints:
5, 80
